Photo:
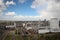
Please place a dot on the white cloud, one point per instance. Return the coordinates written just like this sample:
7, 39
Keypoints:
10, 14
14, 16
37, 3
2, 6
21, 17
52, 9
22, 1
10, 3
7, 16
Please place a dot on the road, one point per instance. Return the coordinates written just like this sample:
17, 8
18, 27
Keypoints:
13, 37
4, 35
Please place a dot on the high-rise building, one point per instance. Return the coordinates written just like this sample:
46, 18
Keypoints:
54, 25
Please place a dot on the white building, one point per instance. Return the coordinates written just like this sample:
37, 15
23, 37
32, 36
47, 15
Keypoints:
54, 25
11, 25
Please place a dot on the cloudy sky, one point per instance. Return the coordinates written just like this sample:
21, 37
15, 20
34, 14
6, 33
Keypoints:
29, 9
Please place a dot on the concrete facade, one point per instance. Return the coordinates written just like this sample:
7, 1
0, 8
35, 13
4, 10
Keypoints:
54, 25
